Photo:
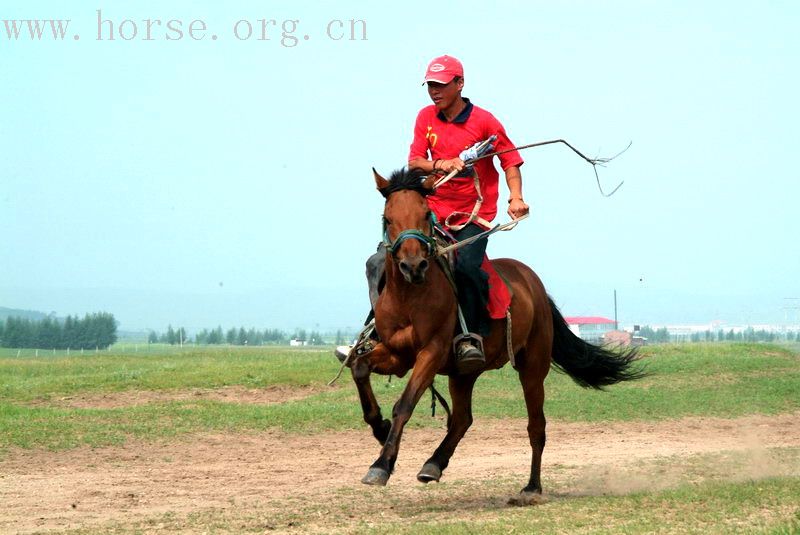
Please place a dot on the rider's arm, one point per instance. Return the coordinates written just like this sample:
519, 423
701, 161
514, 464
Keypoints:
423, 164
429, 166
516, 206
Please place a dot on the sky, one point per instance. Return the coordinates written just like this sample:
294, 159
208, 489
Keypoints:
204, 182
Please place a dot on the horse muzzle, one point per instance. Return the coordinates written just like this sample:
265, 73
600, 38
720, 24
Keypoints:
414, 269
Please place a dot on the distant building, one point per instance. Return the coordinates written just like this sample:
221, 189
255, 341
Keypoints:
296, 342
590, 328
618, 338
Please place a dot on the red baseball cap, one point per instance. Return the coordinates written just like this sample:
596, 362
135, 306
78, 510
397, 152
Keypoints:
443, 69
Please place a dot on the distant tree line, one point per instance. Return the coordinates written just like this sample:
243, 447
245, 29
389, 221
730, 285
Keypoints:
98, 330
171, 337
659, 336
662, 335
237, 337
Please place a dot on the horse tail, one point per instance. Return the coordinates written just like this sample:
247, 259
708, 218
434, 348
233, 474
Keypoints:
590, 365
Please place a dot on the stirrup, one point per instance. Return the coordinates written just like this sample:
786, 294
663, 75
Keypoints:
473, 339
367, 336
468, 350
365, 343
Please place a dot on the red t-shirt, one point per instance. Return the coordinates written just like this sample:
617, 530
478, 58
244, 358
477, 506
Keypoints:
435, 138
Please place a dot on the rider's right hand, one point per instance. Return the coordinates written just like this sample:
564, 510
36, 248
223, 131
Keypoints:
454, 164
517, 208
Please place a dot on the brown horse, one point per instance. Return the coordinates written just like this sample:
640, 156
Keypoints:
415, 317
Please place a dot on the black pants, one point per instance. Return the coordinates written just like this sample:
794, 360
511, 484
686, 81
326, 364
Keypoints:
471, 281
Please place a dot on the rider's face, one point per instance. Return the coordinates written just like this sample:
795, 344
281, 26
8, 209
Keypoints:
444, 96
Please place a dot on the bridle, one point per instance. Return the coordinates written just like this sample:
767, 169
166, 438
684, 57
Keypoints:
427, 240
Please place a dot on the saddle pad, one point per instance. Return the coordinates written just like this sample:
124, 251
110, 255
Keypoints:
499, 292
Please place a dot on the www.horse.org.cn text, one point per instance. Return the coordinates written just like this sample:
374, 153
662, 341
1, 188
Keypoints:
286, 33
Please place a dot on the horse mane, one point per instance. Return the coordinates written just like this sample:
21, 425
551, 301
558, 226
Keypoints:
406, 179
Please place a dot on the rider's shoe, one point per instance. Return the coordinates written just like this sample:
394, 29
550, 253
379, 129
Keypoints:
342, 352
469, 357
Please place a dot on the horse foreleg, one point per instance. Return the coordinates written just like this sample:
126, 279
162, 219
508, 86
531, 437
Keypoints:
369, 405
428, 362
461, 394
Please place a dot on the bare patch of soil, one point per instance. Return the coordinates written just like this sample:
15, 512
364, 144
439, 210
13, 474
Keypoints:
275, 471
229, 394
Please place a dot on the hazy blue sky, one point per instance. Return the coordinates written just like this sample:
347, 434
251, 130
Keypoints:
229, 181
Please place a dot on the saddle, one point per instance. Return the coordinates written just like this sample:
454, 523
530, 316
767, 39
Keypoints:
500, 293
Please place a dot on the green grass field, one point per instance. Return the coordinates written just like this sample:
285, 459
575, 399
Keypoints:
720, 380
724, 380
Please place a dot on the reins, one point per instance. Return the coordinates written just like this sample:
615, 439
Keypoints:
435, 249
441, 251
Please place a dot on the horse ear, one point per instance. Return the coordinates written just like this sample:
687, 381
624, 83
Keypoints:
429, 181
380, 182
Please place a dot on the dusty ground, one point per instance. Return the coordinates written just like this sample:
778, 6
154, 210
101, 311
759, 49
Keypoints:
273, 471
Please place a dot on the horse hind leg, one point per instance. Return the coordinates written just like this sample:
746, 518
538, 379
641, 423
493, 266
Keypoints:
461, 394
531, 376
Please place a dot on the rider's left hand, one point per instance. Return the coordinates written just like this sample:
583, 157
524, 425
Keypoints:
517, 208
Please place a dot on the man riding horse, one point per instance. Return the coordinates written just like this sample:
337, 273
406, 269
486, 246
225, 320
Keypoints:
416, 311
447, 133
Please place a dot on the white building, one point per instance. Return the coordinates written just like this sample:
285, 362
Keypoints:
590, 328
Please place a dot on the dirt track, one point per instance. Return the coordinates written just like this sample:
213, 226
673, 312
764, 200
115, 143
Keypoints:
85, 487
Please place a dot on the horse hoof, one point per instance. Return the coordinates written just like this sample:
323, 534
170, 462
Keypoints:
430, 472
527, 498
376, 476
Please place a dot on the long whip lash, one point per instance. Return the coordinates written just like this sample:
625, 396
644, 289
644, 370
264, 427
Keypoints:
594, 161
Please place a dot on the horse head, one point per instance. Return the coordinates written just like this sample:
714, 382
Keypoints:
407, 221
